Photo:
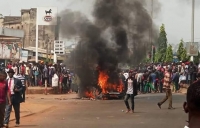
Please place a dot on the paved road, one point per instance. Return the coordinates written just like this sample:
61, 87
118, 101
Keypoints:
108, 114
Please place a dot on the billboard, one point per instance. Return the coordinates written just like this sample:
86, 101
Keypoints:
24, 56
47, 15
192, 48
10, 50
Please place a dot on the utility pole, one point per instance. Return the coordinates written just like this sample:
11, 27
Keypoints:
50, 51
151, 31
192, 28
47, 44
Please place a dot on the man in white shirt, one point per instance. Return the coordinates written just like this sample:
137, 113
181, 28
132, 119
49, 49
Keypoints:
15, 88
14, 67
126, 75
130, 89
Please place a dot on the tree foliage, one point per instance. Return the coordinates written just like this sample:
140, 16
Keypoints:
184, 56
162, 45
182, 53
180, 49
196, 58
169, 54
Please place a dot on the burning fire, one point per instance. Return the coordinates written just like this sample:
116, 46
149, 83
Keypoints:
106, 86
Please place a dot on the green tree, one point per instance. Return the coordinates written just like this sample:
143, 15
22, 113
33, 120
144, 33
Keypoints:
169, 54
184, 56
162, 45
196, 58
180, 50
157, 56
154, 53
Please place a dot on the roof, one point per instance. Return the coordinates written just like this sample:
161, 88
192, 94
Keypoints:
11, 18
28, 10
33, 49
40, 50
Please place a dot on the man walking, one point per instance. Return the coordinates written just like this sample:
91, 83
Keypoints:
15, 88
4, 93
166, 84
23, 80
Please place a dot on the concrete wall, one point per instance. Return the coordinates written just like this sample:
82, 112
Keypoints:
1, 22
11, 32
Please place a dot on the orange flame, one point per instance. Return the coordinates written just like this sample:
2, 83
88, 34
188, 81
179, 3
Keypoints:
89, 94
106, 86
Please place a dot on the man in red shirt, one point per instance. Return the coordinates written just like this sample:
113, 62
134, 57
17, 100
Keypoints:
3, 94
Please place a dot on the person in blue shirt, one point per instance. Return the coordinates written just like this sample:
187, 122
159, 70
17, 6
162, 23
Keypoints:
175, 79
22, 78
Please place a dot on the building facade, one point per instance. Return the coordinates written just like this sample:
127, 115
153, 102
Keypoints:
27, 23
46, 34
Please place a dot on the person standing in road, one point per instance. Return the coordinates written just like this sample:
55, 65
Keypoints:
131, 92
3, 94
192, 104
15, 88
166, 84
175, 80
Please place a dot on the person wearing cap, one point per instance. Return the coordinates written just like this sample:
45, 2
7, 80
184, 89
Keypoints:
15, 88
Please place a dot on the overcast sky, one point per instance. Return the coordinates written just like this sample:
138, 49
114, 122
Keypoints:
175, 14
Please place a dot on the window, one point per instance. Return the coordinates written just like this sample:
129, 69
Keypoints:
17, 27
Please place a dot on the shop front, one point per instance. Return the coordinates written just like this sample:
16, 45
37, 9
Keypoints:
11, 41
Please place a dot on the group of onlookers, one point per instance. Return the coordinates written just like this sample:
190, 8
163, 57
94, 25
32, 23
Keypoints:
150, 78
158, 77
39, 74
16, 77
12, 93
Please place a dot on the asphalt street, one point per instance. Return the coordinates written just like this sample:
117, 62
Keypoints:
76, 113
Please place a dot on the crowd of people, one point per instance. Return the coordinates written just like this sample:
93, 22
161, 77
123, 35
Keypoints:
36, 74
165, 77
150, 78
15, 77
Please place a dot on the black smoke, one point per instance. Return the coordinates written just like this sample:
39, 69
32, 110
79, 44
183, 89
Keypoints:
118, 34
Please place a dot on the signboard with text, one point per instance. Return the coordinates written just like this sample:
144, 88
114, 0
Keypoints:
192, 48
47, 15
59, 47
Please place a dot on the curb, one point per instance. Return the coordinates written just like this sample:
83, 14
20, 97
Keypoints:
42, 111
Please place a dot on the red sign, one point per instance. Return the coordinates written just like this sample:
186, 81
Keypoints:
48, 18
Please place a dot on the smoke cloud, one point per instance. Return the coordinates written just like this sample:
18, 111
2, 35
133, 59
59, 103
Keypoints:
119, 34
